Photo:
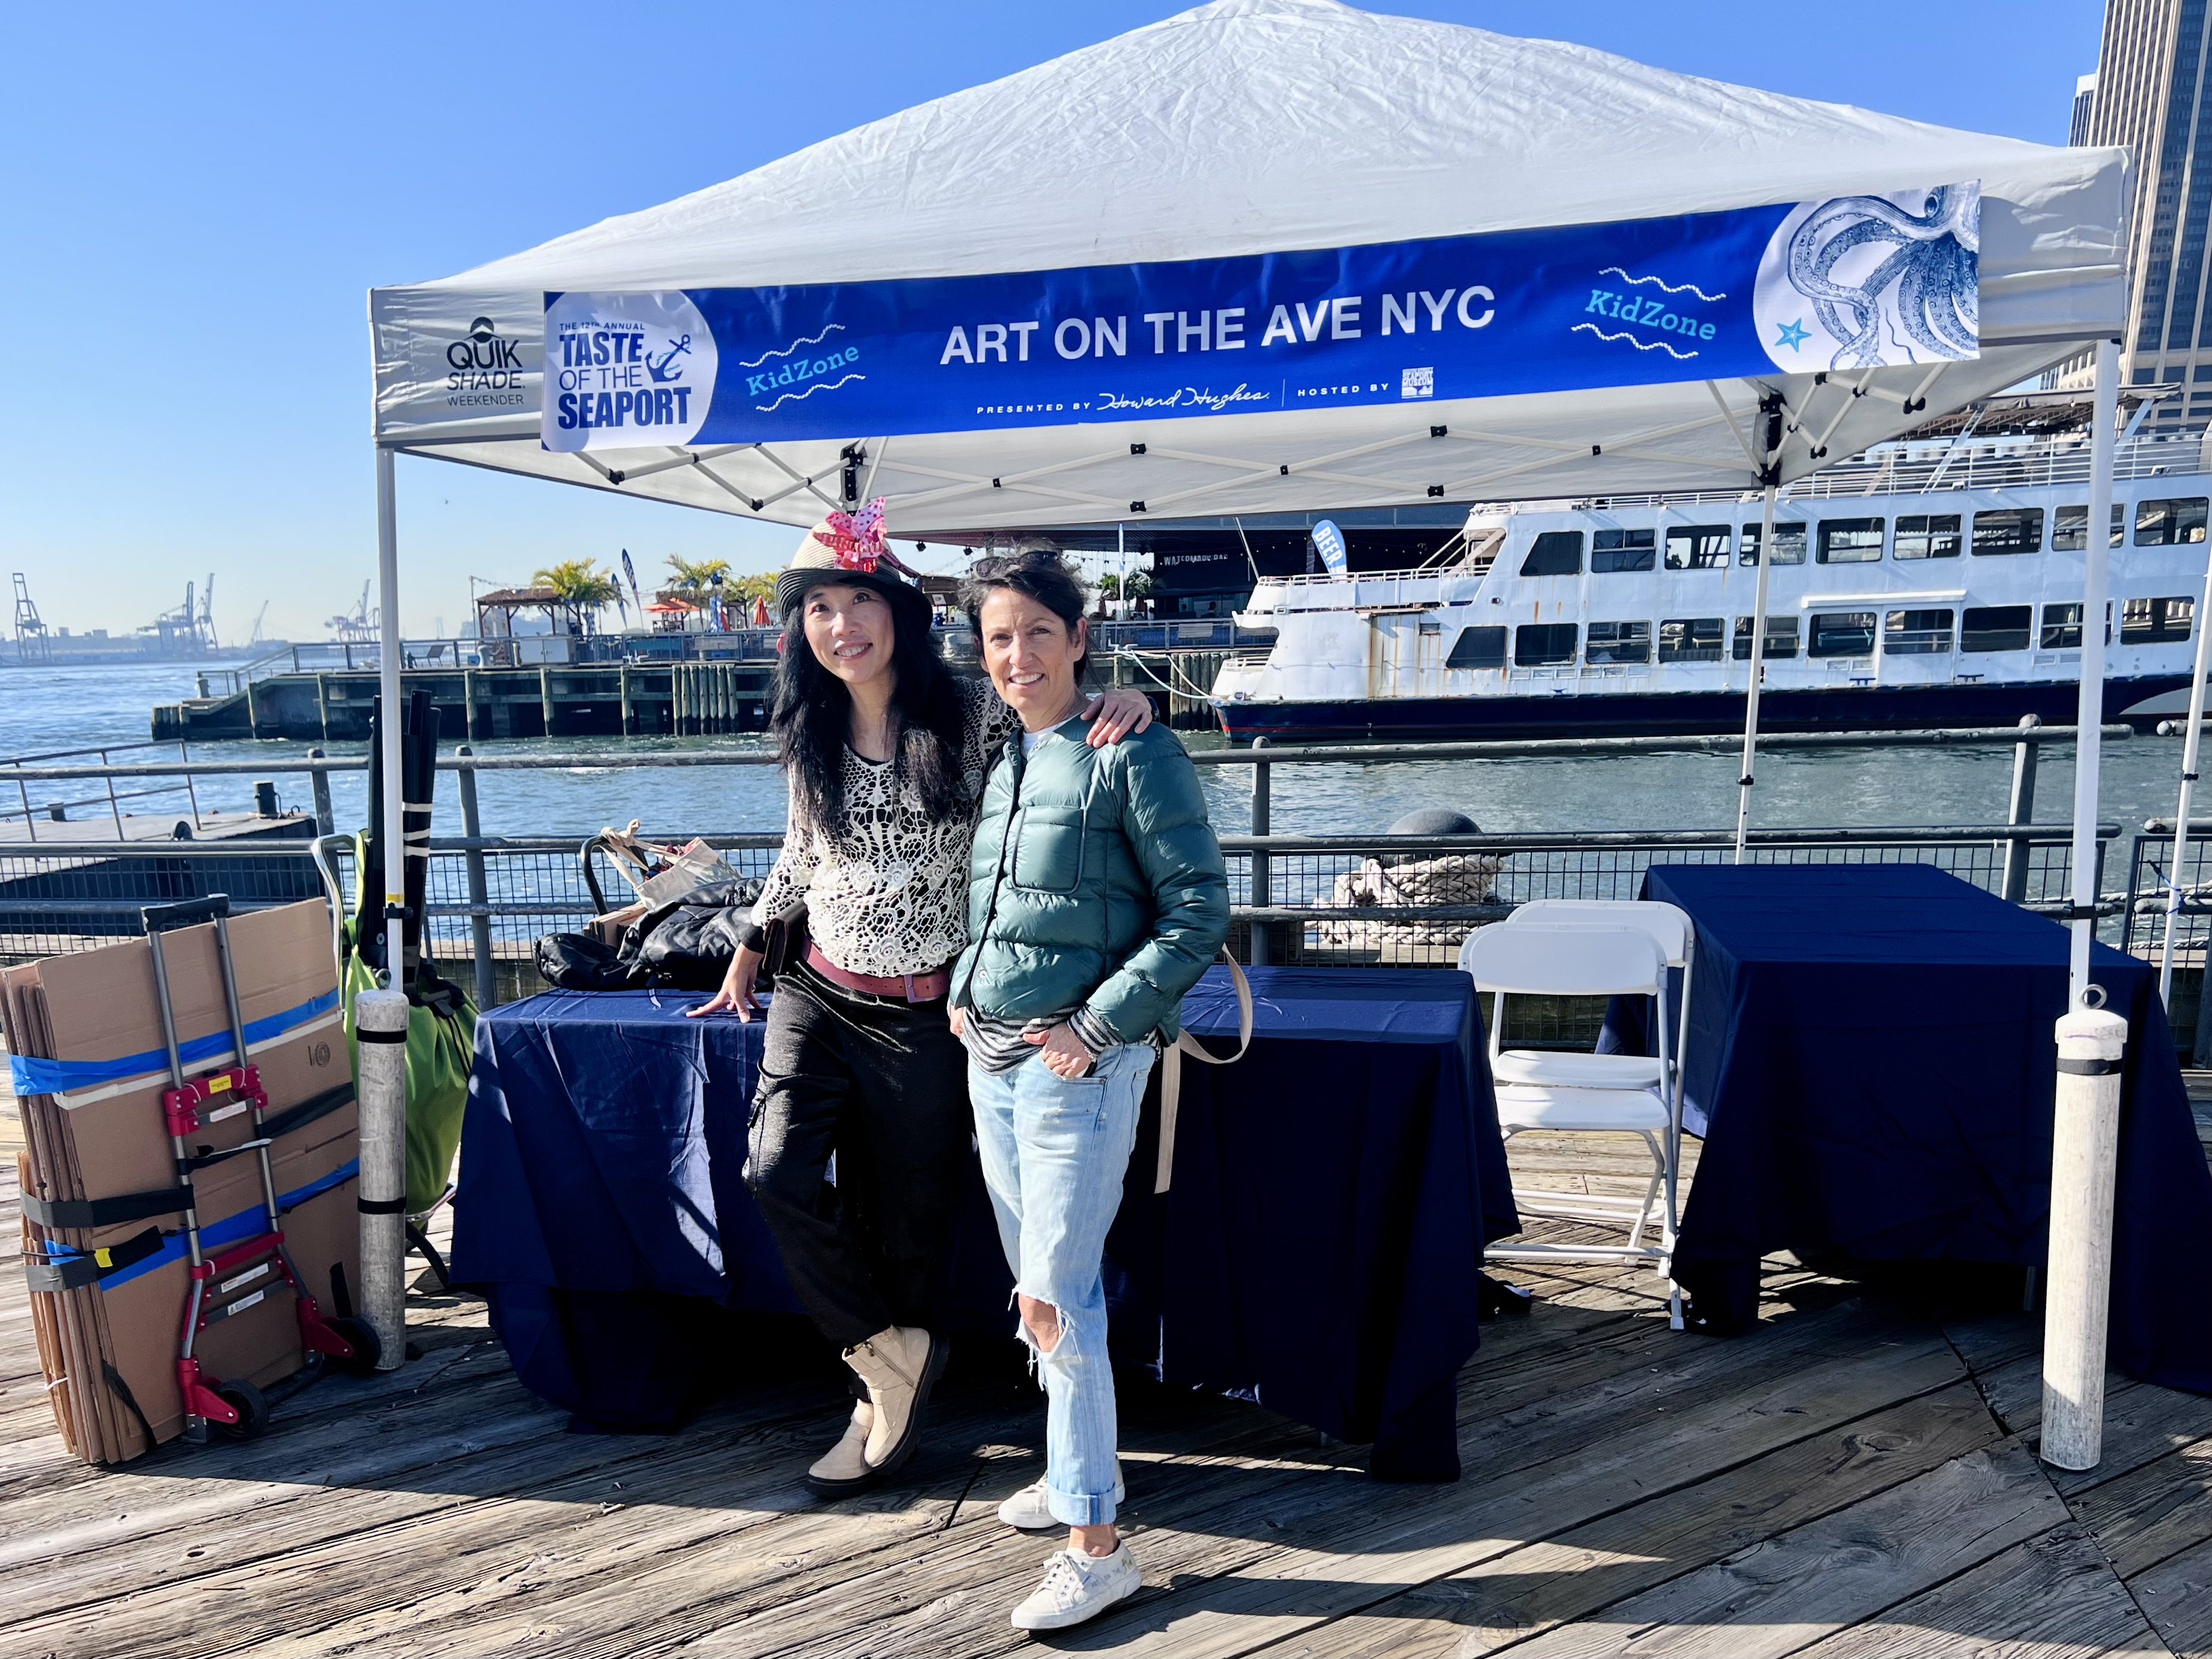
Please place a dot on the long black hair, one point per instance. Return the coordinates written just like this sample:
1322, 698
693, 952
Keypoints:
812, 721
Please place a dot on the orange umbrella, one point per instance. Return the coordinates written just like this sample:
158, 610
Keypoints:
760, 612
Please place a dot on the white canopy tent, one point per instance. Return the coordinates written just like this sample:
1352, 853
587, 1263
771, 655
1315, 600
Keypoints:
1256, 131
1258, 126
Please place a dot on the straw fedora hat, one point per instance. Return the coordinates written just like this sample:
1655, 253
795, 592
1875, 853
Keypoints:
848, 548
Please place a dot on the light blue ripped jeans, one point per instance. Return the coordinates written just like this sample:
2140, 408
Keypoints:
1054, 1151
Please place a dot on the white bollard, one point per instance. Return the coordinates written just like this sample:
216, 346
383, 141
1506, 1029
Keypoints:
380, 1023
2078, 1283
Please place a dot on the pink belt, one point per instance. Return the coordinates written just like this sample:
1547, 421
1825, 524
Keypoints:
910, 987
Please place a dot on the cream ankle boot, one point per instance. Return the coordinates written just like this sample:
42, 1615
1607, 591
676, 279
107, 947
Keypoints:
844, 1466
900, 1364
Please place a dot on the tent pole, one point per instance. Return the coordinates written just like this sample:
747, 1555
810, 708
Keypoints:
2188, 781
1771, 408
381, 1016
387, 760
2090, 709
1758, 663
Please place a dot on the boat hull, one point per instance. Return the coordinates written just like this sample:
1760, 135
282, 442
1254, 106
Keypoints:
1680, 713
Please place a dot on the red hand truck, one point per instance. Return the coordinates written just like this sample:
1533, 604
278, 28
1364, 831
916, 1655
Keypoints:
233, 1408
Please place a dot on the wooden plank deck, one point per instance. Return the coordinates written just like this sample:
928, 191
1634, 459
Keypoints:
1855, 1479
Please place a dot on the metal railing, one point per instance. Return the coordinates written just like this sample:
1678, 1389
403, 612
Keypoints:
1332, 898
2146, 932
57, 811
1297, 898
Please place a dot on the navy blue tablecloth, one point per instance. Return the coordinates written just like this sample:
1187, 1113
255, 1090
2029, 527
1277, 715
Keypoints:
1871, 1064
1318, 1251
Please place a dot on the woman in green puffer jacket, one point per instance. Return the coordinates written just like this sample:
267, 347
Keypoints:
1098, 897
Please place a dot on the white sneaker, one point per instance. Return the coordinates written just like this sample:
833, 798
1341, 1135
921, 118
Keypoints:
1030, 1508
1078, 1587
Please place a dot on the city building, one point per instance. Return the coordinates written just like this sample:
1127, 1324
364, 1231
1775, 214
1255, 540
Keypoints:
2148, 94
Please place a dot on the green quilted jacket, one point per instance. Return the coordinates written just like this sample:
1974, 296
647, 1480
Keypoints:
1095, 883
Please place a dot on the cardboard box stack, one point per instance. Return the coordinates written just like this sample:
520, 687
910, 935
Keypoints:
101, 1184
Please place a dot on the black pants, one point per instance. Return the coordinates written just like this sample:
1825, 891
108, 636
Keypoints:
884, 1085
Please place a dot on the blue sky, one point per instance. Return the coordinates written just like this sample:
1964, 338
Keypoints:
198, 198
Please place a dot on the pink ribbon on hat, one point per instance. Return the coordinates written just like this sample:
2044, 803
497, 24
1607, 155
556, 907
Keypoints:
859, 542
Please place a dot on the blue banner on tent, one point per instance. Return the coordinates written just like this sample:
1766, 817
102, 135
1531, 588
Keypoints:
1848, 283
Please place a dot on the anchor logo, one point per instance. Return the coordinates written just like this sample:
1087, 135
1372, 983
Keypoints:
659, 370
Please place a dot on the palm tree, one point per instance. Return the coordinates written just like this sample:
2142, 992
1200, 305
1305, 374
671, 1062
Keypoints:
581, 588
695, 578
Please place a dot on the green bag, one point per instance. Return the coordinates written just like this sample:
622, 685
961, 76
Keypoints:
441, 1034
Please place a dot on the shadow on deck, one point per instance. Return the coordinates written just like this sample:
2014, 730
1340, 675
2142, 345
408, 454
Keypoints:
1856, 1477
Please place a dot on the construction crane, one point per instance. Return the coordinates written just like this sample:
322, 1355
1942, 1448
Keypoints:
177, 632
360, 627
259, 616
32, 644
203, 630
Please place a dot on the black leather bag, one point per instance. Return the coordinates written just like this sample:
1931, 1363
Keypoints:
684, 945
580, 962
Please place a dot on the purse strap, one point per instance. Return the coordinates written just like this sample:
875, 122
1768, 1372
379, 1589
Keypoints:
1171, 1068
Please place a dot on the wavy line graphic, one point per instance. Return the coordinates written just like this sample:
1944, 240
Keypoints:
1641, 345
833, 328
794, 397
1679, 288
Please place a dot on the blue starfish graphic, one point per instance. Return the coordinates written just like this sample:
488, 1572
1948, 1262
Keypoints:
1793, 335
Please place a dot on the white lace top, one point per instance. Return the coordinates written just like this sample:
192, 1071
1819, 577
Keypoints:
890, 896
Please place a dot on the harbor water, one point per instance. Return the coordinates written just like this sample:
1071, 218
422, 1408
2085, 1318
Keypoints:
47, 708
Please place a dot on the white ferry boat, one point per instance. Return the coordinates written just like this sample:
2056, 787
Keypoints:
1925, 584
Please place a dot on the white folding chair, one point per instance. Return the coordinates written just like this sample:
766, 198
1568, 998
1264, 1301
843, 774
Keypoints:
1575, 954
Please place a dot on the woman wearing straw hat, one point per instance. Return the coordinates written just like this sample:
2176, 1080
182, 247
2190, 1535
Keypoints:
884, 750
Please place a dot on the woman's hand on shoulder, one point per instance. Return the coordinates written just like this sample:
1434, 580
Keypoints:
737, 992
1116, 714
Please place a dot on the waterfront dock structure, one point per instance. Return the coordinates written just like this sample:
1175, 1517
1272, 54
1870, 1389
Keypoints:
549, 700
682, 685
1856, 1479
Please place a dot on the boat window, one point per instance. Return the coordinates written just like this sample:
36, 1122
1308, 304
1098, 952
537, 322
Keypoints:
1850, 541
1691, 639
1696, 547
2062, 627
1789, 543
1478, 647
1620, 641
2070, 531
1781, 638
2155, 622
2010, 530
1916, 634
1540, 645
1996, 627
2170, 523
1622, 549
1842, 634
1928, 536
1554, 553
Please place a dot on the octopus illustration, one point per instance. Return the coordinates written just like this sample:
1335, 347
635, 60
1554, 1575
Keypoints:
1926, 284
